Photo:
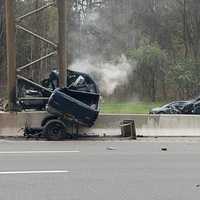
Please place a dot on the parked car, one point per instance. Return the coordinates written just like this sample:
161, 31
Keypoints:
179, 107
174, 107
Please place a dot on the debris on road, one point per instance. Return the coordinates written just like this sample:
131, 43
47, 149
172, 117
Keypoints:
164, 149
128, 129
111, 148
198, 185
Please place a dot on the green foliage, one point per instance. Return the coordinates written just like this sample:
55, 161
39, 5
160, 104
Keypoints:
150, 53
151, 69
182, 73
128, 107
184, 77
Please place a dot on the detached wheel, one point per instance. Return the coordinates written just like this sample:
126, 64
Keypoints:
55, 130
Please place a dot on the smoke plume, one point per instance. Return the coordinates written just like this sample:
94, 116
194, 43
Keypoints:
108, 75
104, 38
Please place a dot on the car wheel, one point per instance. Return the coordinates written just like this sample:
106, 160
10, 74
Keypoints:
47, 119
55, 130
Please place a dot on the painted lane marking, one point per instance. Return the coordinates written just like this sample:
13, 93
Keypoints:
35, 152
33, 172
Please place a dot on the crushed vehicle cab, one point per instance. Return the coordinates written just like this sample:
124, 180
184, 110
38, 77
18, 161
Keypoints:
33, 97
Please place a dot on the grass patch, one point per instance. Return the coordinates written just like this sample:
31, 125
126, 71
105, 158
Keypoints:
128, 108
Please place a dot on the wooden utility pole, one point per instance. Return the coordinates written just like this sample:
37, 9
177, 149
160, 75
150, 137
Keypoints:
62, 53
11, 53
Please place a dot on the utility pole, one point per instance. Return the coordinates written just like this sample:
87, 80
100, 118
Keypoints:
63, 34
11, 53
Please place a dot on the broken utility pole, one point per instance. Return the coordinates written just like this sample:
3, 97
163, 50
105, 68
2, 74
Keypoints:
11, 53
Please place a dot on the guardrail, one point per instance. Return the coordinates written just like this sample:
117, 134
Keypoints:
109, 124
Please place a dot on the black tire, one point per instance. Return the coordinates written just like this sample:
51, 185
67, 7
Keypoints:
55, 130
47, 119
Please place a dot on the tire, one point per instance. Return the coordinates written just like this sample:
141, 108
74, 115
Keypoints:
47, 119
55, 130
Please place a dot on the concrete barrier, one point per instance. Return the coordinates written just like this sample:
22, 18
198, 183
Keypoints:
11, 123
151, 125
146, 125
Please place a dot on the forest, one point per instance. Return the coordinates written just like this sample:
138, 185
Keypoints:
135, 49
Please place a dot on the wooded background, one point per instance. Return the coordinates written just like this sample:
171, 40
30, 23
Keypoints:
160, 39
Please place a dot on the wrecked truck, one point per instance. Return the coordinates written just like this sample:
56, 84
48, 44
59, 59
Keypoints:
69, 108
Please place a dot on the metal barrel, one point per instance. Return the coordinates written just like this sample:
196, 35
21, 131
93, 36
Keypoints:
128, 129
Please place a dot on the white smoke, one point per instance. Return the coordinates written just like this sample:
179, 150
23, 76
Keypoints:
108, 75
104, 36
92, 18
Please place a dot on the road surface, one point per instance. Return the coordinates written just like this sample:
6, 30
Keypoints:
98, 170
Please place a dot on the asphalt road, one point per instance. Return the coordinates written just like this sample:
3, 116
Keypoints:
91, 170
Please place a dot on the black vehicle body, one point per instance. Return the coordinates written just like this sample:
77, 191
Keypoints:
32, 97
179, 107
174, 107
69, 107
192, 106
79, 106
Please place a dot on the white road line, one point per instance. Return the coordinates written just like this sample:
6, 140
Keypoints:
36, 152
33, 172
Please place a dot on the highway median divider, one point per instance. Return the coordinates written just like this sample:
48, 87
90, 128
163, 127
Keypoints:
11, 124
